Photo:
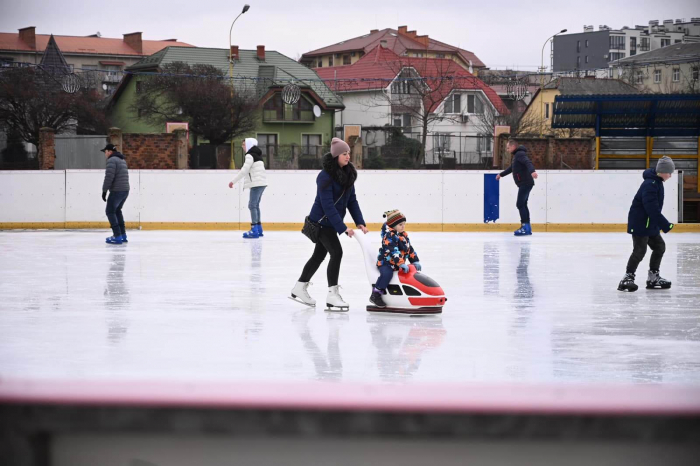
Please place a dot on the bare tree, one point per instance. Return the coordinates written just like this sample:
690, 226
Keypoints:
31, 99
200, 95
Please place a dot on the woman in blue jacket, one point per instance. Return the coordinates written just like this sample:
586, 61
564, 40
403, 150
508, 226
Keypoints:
335, 194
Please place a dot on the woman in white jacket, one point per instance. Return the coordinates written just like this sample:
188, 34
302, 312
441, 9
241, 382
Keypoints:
253, 172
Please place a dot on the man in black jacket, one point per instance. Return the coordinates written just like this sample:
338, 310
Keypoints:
524, 175
117, 183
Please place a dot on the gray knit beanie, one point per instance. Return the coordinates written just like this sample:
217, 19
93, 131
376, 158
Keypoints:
338, 146
665, 165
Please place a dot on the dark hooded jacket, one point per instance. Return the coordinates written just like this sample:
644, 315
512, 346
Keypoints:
522, 168
116, 174
332, 183
645, 217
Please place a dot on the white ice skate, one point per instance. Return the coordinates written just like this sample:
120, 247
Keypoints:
334, 302
301, 295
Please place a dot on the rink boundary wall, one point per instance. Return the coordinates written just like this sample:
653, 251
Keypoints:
449, 201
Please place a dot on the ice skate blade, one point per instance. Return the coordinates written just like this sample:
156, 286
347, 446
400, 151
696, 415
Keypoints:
330, 308
417, 311
301, 302
658, 287
629, 290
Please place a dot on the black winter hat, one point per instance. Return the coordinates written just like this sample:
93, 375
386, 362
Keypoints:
109, 147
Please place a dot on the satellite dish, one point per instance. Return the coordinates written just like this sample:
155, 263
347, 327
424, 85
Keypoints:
317, 111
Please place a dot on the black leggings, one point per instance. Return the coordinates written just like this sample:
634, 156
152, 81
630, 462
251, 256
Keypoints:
328, 242
657, 246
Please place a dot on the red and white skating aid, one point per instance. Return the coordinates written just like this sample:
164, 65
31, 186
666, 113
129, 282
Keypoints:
411, 293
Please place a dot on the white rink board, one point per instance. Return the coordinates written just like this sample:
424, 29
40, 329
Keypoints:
429, 197
189, 196
84, 189
603, 196
32, 196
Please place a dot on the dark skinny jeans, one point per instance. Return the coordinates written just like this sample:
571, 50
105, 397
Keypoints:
640, 243
521, 204
115, 202
328, 242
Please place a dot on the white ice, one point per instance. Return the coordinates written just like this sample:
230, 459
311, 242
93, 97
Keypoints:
211, 306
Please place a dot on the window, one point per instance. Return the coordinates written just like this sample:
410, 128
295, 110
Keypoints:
633, 46
578, 62
346, 59
586, 58
617, 42
696, 73
676, 75
267, 143
616, 56
453, 104
441, 142
657, 76
275, 109
439, 55
644, 44
665, 42
610, 72
320, 63
401, 85
474, 104
578, 46
310, 144
352, 54
546, 111
330, 60
402, 121
483, 144
638, 77
586, 43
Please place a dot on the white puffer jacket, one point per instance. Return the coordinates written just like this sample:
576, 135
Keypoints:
253, 172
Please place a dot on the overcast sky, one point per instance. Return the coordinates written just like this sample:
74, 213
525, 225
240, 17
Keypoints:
504, 33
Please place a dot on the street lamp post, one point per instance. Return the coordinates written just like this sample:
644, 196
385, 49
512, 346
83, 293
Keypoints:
542, 70
246, 7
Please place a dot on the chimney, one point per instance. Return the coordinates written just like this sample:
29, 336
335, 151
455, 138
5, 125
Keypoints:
234, 52
261, 52
425, 40
403, 30
28, 36
372, 31
134, 41
412, 34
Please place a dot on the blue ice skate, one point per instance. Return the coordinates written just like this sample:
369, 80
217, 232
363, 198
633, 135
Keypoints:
259, 230
124, 240
252, 234
114, 240
524, 230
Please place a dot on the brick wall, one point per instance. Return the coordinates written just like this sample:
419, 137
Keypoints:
150, 151
46, 149
554, 153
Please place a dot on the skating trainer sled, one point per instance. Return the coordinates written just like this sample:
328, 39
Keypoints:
411, 293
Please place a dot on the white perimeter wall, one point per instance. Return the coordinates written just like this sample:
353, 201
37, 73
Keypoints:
448, 197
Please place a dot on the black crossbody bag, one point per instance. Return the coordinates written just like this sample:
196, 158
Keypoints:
312, 229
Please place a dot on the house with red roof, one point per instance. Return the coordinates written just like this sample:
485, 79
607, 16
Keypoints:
401, 41
432, 100
104, 56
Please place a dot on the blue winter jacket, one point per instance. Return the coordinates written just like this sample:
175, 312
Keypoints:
645, 217
327, 192
522, 168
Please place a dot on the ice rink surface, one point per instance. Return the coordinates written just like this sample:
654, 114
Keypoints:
211, 306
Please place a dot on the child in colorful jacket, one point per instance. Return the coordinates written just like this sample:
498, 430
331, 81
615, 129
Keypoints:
395, 253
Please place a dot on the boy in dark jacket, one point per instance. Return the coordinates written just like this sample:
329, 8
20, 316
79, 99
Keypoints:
395, 254
644, 222
524, 175
117, 183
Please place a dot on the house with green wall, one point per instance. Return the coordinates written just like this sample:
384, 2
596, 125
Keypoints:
306, 127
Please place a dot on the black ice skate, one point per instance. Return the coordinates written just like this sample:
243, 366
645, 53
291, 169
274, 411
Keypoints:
654, 281
376, 299
627, 283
